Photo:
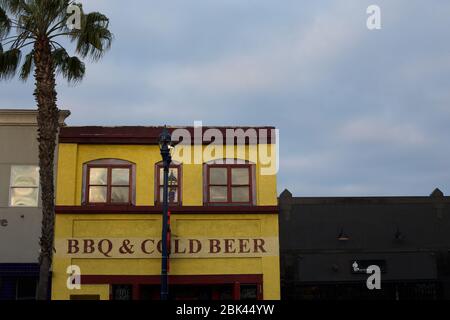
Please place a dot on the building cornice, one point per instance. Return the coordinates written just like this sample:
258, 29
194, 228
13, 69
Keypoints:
25, 117
362, 200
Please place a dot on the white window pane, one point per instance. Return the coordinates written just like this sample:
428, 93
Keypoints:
120, 194
120, 176
239, 176
24, 197
218, 194
218, 176
173, 176
97, 194
240, 194
98, 176
24, 176
172, 196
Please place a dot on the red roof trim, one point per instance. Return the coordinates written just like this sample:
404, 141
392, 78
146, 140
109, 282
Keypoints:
141, 135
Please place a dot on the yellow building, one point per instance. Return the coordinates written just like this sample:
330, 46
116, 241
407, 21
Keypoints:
223, 206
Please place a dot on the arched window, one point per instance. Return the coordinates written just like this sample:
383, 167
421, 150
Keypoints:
229, 181
109, 182
175, 176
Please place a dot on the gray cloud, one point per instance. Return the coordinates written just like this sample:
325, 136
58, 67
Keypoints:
359, 112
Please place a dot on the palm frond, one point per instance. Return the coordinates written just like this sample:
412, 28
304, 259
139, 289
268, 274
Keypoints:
9, 60
59, 9
47, 19
5, 24
27, 66
20, 39
13, 6
50, 11
71, 68
94, 38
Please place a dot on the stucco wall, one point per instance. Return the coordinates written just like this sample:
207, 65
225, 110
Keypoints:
69, 193
19, 238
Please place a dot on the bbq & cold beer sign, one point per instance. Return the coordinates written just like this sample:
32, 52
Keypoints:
179, 247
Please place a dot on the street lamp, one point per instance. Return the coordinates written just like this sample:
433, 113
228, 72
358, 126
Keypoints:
173, 182
165, 141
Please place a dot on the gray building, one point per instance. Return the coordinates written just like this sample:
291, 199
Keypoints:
327, 243
20, 205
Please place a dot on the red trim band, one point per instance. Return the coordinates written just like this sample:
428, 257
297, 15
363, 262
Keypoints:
180, 279
123, 209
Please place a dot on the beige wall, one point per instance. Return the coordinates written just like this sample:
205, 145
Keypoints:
19, 239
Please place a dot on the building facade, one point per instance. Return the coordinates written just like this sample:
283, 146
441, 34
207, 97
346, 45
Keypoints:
328, 243
20, 205
223, 214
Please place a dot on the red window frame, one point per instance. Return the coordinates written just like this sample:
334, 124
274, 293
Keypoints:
159, 184
109, 184
229, 184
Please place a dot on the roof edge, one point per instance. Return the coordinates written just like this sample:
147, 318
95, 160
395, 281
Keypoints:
26, 117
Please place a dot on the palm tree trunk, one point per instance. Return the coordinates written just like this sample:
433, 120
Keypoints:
45, 96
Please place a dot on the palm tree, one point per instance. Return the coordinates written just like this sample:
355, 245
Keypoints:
36, 26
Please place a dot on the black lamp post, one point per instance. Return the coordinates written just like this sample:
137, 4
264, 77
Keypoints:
165, 141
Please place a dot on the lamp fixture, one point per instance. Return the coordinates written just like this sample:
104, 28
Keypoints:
342, 236
399, 236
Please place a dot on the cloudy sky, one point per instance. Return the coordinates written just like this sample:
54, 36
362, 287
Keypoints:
360, 112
